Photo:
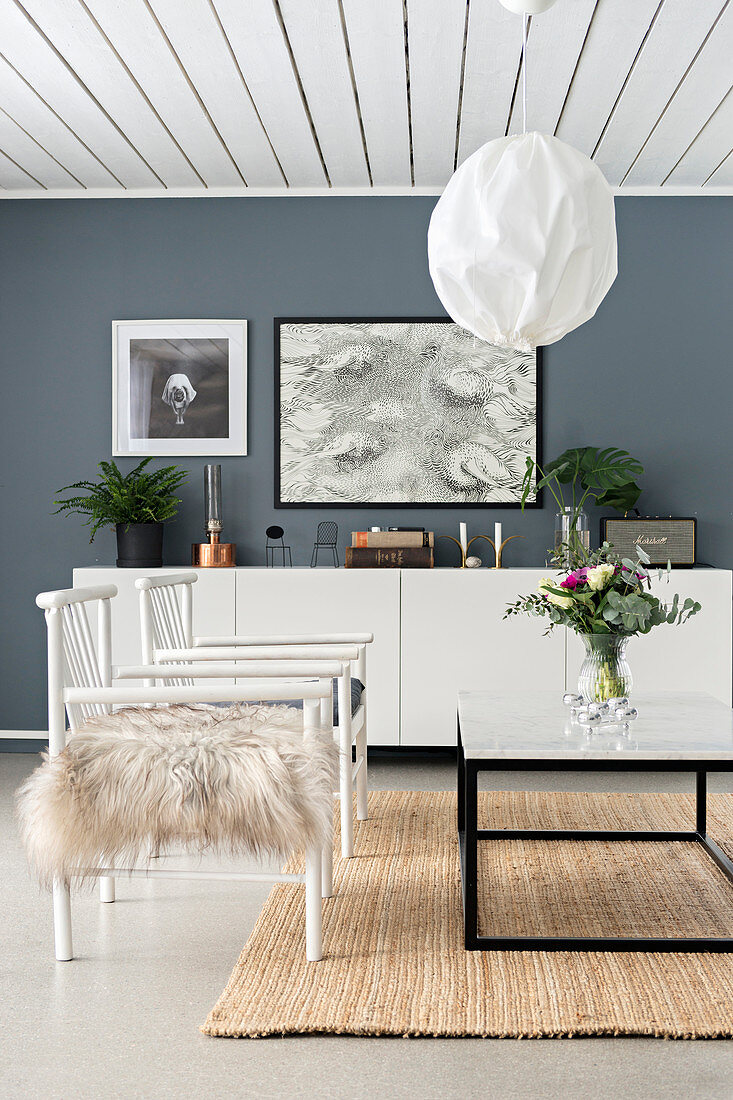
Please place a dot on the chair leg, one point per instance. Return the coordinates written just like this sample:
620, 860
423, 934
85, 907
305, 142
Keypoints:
362, 786
327, 869
346, 770
347, 809
62, 922
313, 914
314, 556
335, 557
106, 889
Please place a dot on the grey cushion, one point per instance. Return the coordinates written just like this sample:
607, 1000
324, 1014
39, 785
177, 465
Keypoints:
357, 690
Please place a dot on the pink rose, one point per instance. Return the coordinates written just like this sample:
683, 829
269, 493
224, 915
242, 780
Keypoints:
578, 576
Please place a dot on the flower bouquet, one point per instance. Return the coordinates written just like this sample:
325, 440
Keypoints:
606, 602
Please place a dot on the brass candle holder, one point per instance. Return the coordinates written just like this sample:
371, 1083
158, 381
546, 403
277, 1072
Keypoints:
451, 539
497, 552
213, 554
492, 544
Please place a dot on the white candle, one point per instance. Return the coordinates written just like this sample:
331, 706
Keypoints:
463, 537
497, 536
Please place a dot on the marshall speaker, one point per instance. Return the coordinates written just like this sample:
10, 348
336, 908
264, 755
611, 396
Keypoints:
663, 539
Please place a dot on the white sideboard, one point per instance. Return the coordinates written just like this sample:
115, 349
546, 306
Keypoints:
438, 630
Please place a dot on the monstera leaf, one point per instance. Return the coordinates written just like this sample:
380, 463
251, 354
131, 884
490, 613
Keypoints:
609, 475
623, 498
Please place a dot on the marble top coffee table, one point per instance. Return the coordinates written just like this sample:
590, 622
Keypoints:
531, 731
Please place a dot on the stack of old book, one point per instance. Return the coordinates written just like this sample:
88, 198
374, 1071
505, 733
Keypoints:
398, 548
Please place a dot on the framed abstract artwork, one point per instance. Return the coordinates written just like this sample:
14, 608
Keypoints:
179, 388
400, 412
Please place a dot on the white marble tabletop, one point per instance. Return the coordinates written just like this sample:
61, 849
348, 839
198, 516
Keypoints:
690, 726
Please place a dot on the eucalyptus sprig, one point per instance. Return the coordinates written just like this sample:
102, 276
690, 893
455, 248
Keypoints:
141, 496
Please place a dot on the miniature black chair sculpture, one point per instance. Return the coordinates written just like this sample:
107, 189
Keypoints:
275, 542
326, 536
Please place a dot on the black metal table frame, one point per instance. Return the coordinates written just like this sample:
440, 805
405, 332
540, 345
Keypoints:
469, 835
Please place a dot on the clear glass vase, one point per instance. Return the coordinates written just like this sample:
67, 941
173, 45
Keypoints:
572, 537
605, 672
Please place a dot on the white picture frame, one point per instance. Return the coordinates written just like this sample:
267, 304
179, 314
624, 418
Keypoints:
179, 388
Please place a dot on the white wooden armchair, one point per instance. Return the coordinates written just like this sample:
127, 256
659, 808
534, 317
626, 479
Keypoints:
166, 622
83, 685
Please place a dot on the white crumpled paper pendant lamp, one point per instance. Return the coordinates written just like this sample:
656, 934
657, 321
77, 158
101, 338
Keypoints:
522, 242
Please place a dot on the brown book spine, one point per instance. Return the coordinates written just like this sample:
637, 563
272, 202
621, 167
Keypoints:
391, 539
399, 557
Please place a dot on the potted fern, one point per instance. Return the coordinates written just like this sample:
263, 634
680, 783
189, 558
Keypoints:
135, 504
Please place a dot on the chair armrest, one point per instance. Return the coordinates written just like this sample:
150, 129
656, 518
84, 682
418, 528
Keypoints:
286, 639
254, 691
260, 653
248, 670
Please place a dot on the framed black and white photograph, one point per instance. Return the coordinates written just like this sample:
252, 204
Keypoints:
179, 388
401, 412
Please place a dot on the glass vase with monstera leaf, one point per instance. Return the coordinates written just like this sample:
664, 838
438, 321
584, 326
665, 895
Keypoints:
580, 475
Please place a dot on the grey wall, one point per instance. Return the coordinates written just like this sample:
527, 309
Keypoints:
651, 373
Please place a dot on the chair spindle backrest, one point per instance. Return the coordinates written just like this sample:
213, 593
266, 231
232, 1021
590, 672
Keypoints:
162, 619
72, 650
81, 662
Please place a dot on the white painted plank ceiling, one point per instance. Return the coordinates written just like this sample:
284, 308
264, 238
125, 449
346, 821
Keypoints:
156, 97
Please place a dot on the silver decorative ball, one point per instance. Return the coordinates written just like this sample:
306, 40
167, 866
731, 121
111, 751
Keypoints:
570, 699
473, 562
626, 714
617, 701
591, 718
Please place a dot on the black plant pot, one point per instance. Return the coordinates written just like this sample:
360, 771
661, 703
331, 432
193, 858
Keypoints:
139, 545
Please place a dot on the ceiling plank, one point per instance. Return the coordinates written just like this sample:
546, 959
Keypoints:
701, 92
165, 101
554, 45
257, 41
68, 25
15, 177
723, 174
613, 41
22, 148
317, 41
677, 34
46, 73
377, 44
31, 112
435, 30
197, 38
703, 155
493, 49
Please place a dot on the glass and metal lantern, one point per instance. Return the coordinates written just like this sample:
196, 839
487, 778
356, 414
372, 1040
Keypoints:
213, 554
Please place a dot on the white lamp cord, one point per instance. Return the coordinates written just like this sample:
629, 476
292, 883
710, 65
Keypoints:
525, 24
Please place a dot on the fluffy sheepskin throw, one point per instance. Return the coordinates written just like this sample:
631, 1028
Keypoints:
236, 779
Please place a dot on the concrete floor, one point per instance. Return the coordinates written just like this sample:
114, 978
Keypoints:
122, 1019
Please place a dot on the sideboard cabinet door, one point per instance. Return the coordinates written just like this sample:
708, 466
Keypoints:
454, 638
693, 657
314, 601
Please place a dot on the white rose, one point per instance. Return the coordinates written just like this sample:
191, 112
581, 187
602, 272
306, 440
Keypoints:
560, 601
599, 576
546, 582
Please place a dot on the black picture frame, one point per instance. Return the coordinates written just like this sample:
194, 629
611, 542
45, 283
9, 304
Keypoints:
325, 505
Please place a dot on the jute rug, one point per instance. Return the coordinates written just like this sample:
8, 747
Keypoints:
395, 964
